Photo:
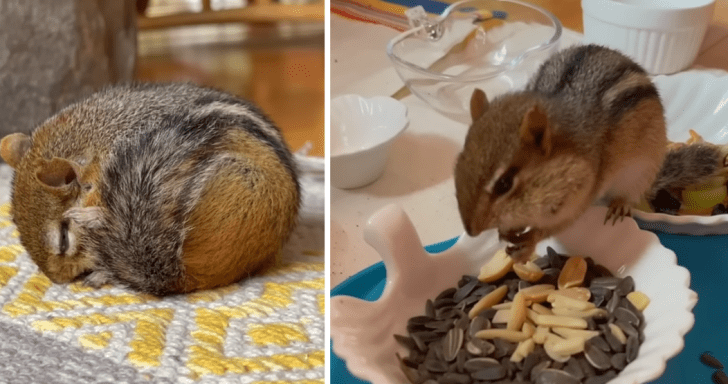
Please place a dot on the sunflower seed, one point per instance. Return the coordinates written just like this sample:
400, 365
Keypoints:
719, 377
574, 369
627, 328
612, 304
465, 290
708, 359
436, 366
542, 262
600, 295
496, 372
596, 357
626, 315
479, 363
554, 376
536, 370
625, 286
478, 323
601, 379
610, 283
633, 345
452, 343
405, 341
446, 294
455, 378
429, 308
619, 361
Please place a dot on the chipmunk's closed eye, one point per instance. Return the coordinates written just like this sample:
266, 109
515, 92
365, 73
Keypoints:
63, 238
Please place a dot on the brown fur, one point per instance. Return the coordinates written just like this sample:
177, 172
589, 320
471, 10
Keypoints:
219, 250
240, 197
589, 126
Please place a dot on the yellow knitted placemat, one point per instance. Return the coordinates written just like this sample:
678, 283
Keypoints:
267, 329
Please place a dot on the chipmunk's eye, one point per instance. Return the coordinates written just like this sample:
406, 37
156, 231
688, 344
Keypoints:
63, 238
505, 182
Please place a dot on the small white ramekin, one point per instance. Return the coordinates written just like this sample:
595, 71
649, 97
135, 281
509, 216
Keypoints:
661, 35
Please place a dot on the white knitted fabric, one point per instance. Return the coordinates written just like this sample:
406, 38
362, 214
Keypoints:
266, 329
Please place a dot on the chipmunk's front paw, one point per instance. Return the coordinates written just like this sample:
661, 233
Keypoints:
618, 209
97, 279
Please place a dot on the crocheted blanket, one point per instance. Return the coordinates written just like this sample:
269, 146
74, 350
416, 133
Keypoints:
267, 329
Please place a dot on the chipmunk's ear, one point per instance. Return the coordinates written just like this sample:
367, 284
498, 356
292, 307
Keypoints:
478, 104
13, 147
536, 131
58, 173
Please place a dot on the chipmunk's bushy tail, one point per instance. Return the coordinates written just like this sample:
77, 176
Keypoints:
684, 166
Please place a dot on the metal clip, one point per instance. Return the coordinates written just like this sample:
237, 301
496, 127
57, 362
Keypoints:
418, 17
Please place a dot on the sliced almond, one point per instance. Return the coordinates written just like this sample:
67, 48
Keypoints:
523, 349
557, 321
505, 334
506, 305
639, 300
541, 310
618, 333
496, 267
518, 313
597, 313
537, 293
489, 300
578, 293
572, 275
541, 334
560, 301
528, 328
548, 346
565, 347
568, 333
501, 317
528, 271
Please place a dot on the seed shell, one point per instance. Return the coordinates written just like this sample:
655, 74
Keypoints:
709, 360
719, 377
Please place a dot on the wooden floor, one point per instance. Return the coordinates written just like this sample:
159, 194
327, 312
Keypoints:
285, 77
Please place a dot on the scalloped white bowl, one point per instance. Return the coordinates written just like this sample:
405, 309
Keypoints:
362, 331
696, 99
362, 130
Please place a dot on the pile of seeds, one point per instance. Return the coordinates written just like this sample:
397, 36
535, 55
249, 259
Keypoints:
719, 377
552, 320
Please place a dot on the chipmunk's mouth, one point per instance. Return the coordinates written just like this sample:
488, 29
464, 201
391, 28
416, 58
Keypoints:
518, 238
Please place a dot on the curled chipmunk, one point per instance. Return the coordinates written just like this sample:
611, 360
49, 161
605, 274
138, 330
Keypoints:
164, 188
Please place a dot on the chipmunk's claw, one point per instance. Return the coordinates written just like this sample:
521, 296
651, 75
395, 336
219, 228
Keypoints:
618, 209
97, 279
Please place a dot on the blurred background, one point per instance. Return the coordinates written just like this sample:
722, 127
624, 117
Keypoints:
268, 51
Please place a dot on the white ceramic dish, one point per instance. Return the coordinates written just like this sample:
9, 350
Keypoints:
662, 35
693, 100
362, 130
362, 331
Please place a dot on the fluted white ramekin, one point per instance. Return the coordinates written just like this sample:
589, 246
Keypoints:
662, 35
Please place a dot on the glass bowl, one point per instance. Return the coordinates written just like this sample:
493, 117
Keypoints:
490, 44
